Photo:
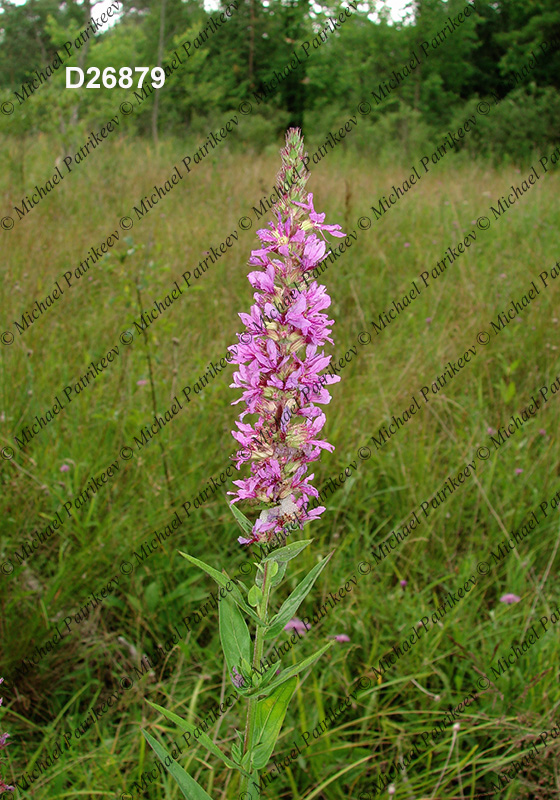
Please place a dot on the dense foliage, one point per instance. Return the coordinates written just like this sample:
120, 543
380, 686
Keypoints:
461, 53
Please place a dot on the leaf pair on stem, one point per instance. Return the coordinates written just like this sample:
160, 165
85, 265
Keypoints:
268, 691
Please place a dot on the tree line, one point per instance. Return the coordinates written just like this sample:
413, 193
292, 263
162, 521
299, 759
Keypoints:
297, 63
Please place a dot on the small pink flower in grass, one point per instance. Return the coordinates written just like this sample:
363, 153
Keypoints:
280, 359
509, 598
341, 637
542, 432
403, 583
141, 382
4, 743
428, 320
407, 244
491, 431
518, 471
296, 624
65, 468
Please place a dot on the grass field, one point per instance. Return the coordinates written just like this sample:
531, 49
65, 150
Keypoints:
152, 594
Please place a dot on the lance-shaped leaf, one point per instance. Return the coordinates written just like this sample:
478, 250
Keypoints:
245, 524
188, 786
265, 676
202, 738
285, 554
223, 580
293, 602
234, 635
269, 717
290, 672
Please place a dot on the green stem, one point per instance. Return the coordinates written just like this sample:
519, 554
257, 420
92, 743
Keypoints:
252, 709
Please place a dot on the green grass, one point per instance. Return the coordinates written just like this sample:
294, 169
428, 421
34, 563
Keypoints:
437, 557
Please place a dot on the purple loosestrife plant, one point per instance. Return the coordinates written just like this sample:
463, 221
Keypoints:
280, 364
280, 361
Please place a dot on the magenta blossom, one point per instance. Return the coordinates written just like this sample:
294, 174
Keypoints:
238, 679
280, 359
342, 637
509, 598
296, 624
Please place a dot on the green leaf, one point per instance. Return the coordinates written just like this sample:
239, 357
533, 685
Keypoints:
263, 680
269, 717
245, 524
290, 672
293, 602
279, 575
188, 786
236, 751
223, 580
234, 635
285, 554
255, 596
202, 738
245, 666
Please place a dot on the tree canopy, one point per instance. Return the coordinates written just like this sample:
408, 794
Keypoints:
437, 62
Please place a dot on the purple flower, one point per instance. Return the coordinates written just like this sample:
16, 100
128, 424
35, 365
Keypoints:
315, 220
491, 431
509, 598
342, 637
237, 679
403, 583
407, 244
65, 468
428, 320
518, 471
542, 432
141, 382
296, 624
4, 743
280, 360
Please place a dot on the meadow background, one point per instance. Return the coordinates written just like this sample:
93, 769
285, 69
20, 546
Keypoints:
446, 664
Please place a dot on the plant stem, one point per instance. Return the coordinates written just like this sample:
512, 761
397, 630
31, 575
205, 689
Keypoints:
257, 657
